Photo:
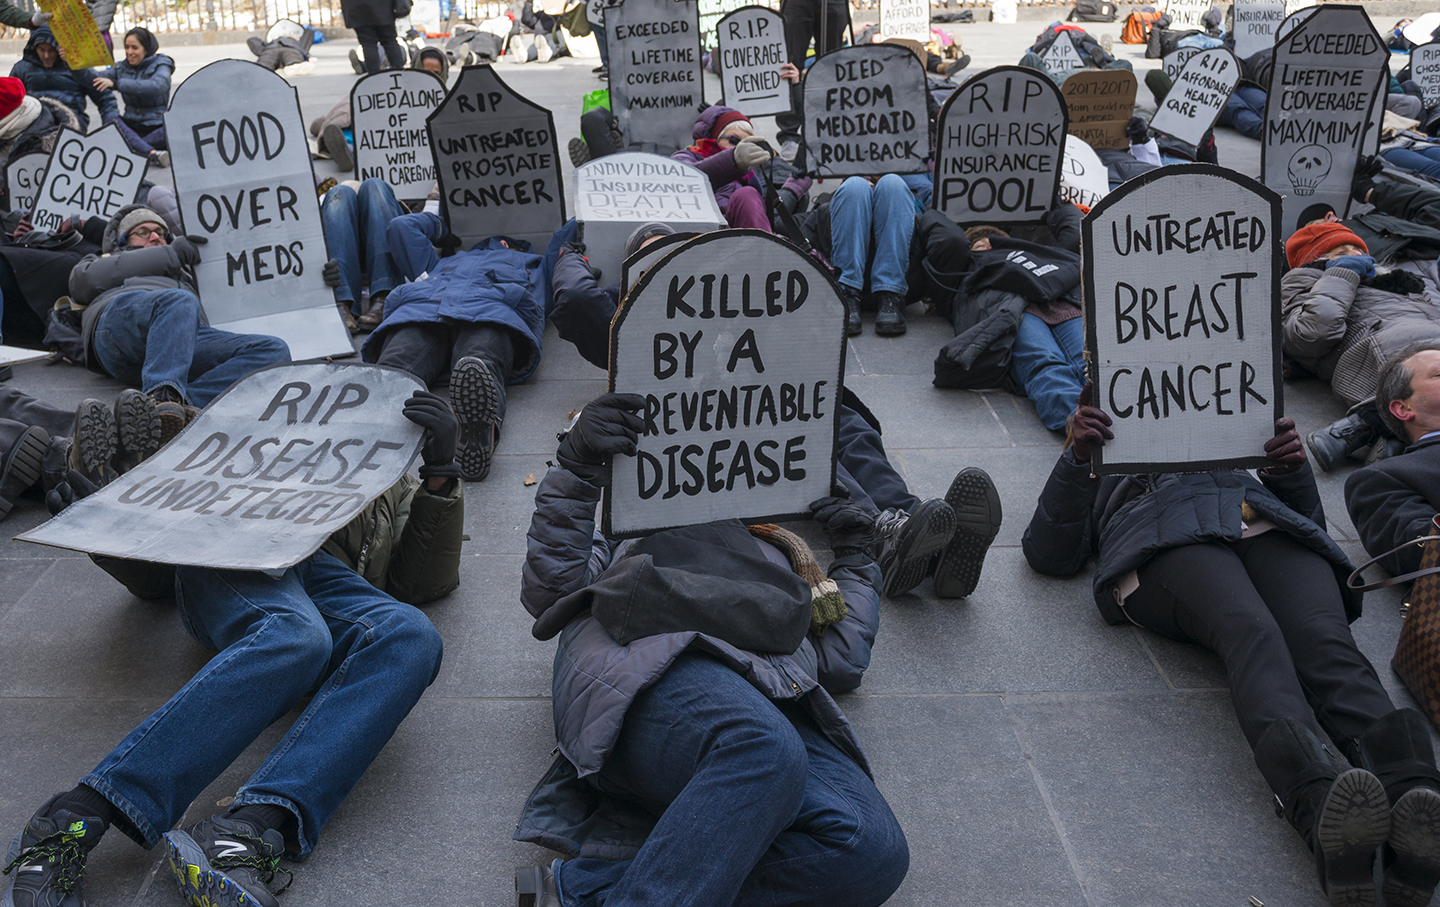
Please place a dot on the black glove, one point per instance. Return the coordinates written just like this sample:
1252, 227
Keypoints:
185, 251
1137, 131
851, 526
608, 425
331, 272
433, 414
1284, 450
1365, 172
197, 239
67, 493
449, 244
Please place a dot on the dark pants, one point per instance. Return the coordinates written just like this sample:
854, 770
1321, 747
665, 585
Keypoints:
18, 406
802, 24
429, 351
372, 39
595, 129
141, 137
864, 469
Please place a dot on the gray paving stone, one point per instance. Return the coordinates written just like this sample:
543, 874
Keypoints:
489, 651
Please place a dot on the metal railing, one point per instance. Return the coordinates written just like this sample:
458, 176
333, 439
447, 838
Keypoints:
171, 16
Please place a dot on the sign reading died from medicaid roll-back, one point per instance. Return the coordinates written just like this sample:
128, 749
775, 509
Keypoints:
736, 339
1425, 71
1195, 100
1101, 103
242, 174
261, 478
1001, 141
752, 50
1327, 78
655, 84
1182, 319
1255, 23
865, 112
94, 175
497, 160
388, 112
905, 19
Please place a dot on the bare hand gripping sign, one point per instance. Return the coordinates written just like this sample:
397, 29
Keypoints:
1182, 319
865, 112
274, 465
388, 112
737, 342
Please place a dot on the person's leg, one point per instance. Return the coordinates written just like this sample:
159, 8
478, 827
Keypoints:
378, 207
147, 337
802, 21
595, 128
482, 363
132, 138
1411, 160
394, 53
222, 358
1070, 337
493, 343
423, 350
852, 212
411, 239
862, 454
893, 227
602, 43
156, 138
746, 208
18, 406
369, 40
340, 217
1041, 366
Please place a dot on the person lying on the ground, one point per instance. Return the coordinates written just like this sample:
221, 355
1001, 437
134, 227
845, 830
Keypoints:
142, 78
35, 268
43, 69
357, 225
1091, 53
287, 43
1243, 566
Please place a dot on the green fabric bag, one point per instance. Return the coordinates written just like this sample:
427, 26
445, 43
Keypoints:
600, 97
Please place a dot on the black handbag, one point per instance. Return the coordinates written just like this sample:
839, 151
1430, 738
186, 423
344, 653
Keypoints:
401, 9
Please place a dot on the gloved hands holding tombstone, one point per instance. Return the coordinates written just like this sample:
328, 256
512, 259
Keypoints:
752, 152
1364, 265
1089, 426
1284, 450
1137, 131
442, 430
331, 272
185, 251
851, 526
608, 425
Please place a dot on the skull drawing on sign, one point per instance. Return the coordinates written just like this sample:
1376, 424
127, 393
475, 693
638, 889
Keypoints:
1308, 167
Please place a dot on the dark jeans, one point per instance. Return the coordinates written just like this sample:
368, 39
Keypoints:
864, 469
755, 805
356, 233
428, 351
18, 406
802, 24
142, 138
595, 129
374, 37
1271, 609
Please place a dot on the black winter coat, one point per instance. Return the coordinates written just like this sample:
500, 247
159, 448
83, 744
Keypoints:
368, 13
60, 82
1392, 501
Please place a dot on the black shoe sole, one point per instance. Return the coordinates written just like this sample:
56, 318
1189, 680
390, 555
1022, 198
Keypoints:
927, 531
976, 503
21, 468
1318, 454
337, 148
1354, 821
1415, 837
92, 441
201, 884
579, 152
889, 328
137, 426
474, 395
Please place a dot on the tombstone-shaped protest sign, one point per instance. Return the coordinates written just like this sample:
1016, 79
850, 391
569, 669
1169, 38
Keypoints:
1084, 178
736, 341
387, 114
1187, 14
1422, 28
1254, 24
1195, 100
1328, 75
1174, 62
497, 161
641, 261
261, 478
655, 84
1000, 142
752, 50
905, 19
617, 193
74, 28
710, 12
1425, 71
1061, 55
865, 112
1101, 103
94, 175
1182, 320
23, 176
242, 174
1293, 20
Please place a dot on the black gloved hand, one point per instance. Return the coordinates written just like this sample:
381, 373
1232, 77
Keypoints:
197, 239
1285, 450
331, 272
1089, 426
1366, 170
851, 526
1137, 131
449, 244
65, 494
608, 425
433, 414
185, 251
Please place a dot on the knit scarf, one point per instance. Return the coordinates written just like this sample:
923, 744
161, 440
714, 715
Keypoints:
19, 118
827, 605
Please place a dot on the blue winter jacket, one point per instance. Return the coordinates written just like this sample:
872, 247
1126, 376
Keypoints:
146, 88
69, 87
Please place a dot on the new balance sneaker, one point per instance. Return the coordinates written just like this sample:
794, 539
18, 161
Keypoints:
475, 394
225, 862
977, 521
92, 441
46, 859
137, 429
909, 540
535, 886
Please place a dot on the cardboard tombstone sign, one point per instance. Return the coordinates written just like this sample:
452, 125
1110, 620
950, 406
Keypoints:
655, 84
736, 340
1254, 24
642, 260
999, 147
1293, 20
1187, 14
752, 50
905, 19
1061, 55
1197, 97
388, 111
74, 28
1328, 75
1084, 178
242, 175
618, 193
1174, 62
865, 112
260, 479
23, 176
1422, 29
94, 175
1425, 71
595, 12
497, 160
711, 12
1182, 320
1101, 103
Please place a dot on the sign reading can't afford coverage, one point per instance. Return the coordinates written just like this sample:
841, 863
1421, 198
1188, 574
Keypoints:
1101, 103
909, 19
388, 112
752, 50
865, 112
1001, 141
1195, 100
1182, 320
93, 175
655, 84
261, 478
736, 339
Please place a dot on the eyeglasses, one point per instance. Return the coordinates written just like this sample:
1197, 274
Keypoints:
147, 232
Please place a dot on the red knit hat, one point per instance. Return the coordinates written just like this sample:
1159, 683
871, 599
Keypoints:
1315, 241
725, 119
12, 92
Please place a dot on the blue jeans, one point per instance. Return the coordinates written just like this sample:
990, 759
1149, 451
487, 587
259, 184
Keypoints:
879, 218
1245, 111
1426, 161
1049, 362
317, 629
755, 805
155, 338
411, 239
864, 469
601, 43
356, 223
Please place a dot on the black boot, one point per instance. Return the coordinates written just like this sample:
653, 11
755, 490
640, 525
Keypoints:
1397, 750
890, 320
1343, 818
22, 451
851, 298
1360, 428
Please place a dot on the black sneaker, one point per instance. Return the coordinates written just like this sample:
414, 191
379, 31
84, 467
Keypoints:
535, 886
890, 319
333, 138
47, 859
92, 441
137, 428
475, 394
22, 460
909, 540
225, 862
977, 521
851, 298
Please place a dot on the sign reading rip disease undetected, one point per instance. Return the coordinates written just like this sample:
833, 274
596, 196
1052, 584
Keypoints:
865, 112
388, 111
274, 465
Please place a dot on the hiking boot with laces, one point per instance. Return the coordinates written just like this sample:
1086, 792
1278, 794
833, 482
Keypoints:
225, 862
172, 411
909, 540
92, 441
137, 429
47, 859
475, 395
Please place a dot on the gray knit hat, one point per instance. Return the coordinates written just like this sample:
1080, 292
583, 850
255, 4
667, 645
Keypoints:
137, 217
644, 232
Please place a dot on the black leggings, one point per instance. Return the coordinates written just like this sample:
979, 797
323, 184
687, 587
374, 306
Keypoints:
428, 351
374, 37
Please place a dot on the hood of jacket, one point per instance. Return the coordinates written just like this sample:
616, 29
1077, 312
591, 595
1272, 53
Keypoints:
42, 35
110, 239
438, 54
705, 122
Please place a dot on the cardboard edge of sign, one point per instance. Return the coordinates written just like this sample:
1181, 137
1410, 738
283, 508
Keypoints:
1091, 75
1098, 466
892, 51
1239, 75
634, 258
940, 118
644, 282
748, 8
389, 73
50, 160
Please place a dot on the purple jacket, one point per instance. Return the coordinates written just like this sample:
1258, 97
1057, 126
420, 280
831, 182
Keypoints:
725, 175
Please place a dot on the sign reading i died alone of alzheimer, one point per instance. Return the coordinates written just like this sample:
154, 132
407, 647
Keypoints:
1195, 100
1182, 320
736, 339
262, 476
497, 161
94, 175
1425, 71
243, 179
1101, 103
752, 50
387, 113
865, 112
908, 19
655, 84
1001, 139
1255, 22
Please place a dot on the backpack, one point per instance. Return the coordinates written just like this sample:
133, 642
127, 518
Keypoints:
1093, 11
1137, 26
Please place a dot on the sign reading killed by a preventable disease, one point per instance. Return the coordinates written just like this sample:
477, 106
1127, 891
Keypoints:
74, 28
1425, 71
752, 50
865, 112
1061, 55
1182, 320
23, 176
1197, 97
242, 174
1001, 141
261, 478
1328, 75
655, 84
1084, 178
1255, 23
642, 260
388, 112
1101, 103
1187, 14
93, 175
1174, 62
905, 19
736, 339
497, 160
